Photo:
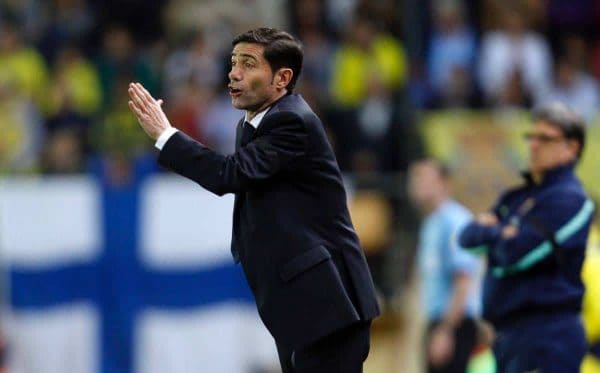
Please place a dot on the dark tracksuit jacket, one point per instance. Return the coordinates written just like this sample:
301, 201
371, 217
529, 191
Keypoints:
537, 272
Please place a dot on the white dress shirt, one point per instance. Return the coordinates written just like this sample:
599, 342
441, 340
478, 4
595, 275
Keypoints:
166, 135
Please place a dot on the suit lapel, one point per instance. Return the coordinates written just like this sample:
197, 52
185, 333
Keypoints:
273, 109
237, 204
238, 130
238, 134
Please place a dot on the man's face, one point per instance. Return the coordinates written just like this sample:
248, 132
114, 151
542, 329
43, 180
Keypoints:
251, 81
425, 184
548, 147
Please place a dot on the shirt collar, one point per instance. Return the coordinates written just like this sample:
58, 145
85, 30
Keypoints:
255, 122
441, 207
551, 175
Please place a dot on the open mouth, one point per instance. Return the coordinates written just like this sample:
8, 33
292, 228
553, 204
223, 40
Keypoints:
234, 92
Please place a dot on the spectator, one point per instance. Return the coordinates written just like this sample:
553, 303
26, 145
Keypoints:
318, 52
510, 52
449, 275
76, 83
367, 52
63, 153
30, 15
68, 121
378, 132
66, 21
575, 88
451, 55
514, 94
309, 15
339, 14
115, 135
75, 100
22, 131
572, 84
119, 59
23, 66
196, 63
187, 107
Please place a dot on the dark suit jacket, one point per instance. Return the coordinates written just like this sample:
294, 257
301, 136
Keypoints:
291, 228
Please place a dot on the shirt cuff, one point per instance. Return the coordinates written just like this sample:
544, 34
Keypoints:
164, 137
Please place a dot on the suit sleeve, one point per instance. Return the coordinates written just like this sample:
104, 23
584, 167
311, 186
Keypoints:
561, 220
281, 141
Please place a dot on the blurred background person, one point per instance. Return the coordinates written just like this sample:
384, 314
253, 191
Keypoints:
63, 153
449, 276
572, 83
451, 56
22, 131
191, 76
367, 114
118, 59
75, 83
513, 55
366, 51
535, 238
23, 65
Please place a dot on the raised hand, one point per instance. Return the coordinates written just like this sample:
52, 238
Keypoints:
441, 346
148, 111
487, 219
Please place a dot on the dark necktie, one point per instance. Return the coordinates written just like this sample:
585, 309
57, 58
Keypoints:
247, 132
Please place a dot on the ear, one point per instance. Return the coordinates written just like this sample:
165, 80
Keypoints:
573, 147
283, 77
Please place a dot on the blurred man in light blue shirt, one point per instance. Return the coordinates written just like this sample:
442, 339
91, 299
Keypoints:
449, 275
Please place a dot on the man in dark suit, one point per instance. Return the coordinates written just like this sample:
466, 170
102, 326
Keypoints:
291, 229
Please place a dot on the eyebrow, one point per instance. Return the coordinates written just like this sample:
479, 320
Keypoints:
244, 55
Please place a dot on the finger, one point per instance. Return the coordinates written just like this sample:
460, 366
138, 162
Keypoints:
145, 91
160, 101
137, 99
136, 110
151, 104
133, 93
138, 96
145, 94
141, 116
135, 87
140, 93
154, 105
135, 104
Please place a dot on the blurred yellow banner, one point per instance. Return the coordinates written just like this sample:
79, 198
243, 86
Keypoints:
485, 151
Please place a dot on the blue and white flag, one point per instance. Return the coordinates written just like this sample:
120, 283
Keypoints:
126, 279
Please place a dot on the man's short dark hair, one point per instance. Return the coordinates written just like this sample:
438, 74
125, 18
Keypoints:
281, 50
564, 118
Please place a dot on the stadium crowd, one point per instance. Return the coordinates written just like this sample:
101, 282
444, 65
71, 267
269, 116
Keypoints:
65, 64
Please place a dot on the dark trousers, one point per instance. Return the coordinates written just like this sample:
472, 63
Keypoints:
341, 352
465, 338
546, 344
